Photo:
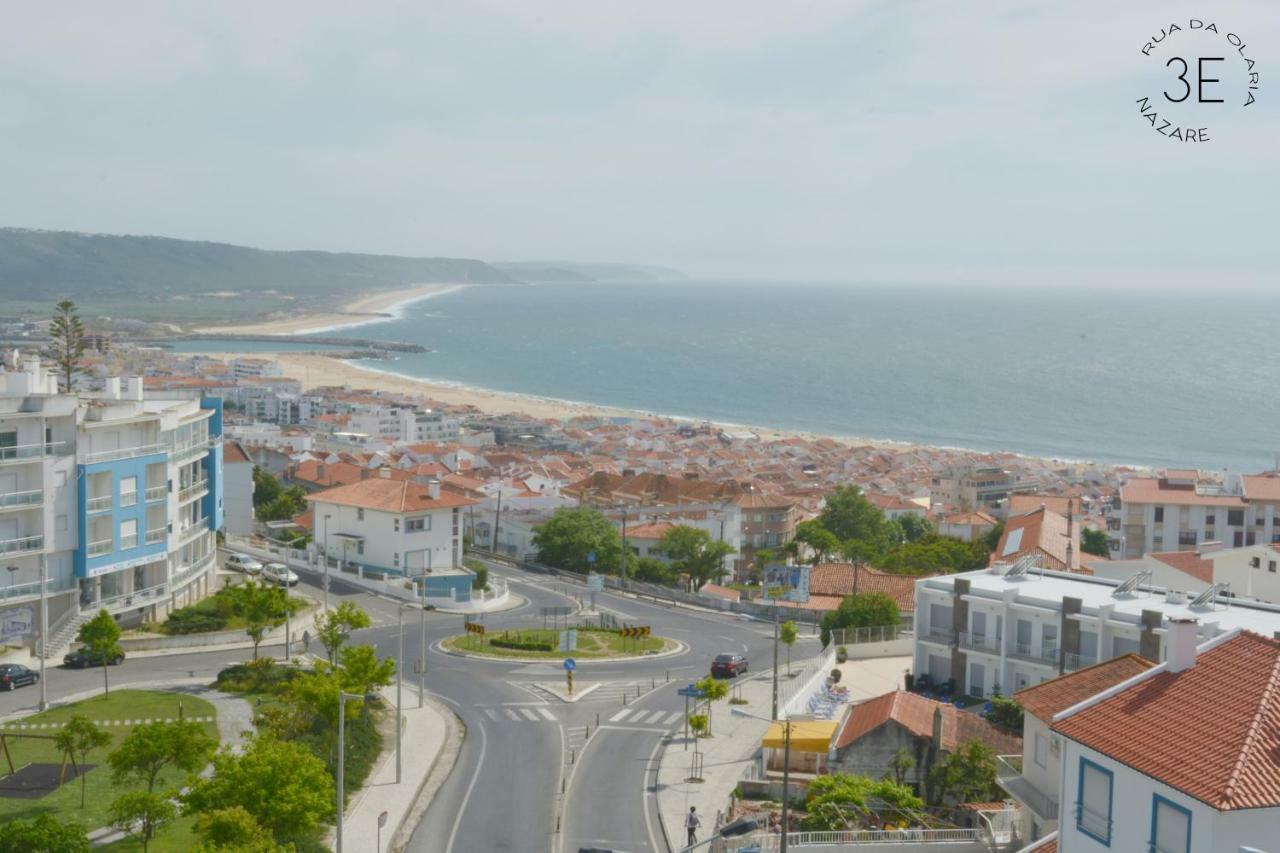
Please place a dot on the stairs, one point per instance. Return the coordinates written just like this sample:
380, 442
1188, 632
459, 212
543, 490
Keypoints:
61, 636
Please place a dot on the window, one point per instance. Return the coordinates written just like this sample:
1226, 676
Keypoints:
1170, 827
128, 491
1159, 514
1186, 537
1208, 519
396, 522
1271, 566
1255, 562
396, 559
360, 547
1124, 646
1235, 516
1093, 801
128, 534
1042, 749
417, 525
360, 514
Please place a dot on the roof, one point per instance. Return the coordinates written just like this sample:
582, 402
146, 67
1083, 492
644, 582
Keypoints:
1262, 487
388, 496
1212, 731
233, 453
977, 517
806, 735
1152, 490
1022, 504
1048, 844
1187, 562
891, 502
838, 579
1051, 697
1042, 532
717, 591
915, 713
652, 530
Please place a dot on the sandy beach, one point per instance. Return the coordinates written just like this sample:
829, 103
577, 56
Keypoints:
372, 308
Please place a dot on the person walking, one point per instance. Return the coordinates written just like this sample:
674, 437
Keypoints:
691, 824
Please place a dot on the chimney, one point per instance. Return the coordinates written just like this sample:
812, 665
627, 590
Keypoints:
320, 473
364, 473
1071, 524
1182, 644
134, 387
113, 387
384, 473
937, 729
433, 488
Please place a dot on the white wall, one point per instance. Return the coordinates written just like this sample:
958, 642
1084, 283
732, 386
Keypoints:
384, 547
1233, 566
237, 498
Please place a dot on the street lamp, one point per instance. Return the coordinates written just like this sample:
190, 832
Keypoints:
44, 624
786, 763
775, 656
326, 561
343, 696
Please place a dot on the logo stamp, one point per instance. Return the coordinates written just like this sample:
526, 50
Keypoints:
1205, 73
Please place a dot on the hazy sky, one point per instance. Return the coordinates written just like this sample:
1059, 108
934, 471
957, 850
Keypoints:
861, 141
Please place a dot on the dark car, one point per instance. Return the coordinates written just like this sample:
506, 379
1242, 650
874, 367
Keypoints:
81, 658
15, 675
728, 666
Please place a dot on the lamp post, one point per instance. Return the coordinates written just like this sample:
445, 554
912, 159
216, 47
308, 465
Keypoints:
422, 652
786, 765
326, 561
399, 684
44, 624
775, 657
343, 696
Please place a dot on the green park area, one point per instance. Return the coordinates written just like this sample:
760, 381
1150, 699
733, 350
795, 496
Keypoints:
593, 643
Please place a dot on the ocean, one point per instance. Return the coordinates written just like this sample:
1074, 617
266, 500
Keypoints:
1185, 379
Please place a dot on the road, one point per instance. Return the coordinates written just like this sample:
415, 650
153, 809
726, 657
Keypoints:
522, 745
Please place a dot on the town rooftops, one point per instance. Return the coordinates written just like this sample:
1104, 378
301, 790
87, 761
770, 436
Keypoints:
1163, 490
915, 713
650, 530
1056, 695
1262, 487
1042, 532
1212, 730
1187, 562
233, 452
971, 517
842, 579
385, 495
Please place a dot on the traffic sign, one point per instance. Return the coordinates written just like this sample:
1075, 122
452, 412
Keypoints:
591, 556
570, 664
595, 583
382, 820
692, 690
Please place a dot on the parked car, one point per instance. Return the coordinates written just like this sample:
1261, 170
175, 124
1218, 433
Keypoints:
279, 573
15, 675
83, 657
244, 563
728, 666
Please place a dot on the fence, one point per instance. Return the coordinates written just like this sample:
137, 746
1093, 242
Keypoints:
870, 634
908, 838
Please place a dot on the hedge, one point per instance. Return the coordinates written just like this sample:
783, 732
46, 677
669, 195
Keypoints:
522, 645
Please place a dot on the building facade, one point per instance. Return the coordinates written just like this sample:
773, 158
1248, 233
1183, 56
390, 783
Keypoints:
1180, 511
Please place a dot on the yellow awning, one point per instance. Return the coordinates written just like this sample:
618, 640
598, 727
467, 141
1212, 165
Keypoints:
808, 736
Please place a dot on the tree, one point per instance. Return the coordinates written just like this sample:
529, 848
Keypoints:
967, 775
43, 834
571, 535
281, 784
1005, 712
362, 672
819, 539
835, 800
101, 635
788, 634
1094, 541
272, 501
713, 690
481, 572
692, 551
262, 606
849, 515
860, 611
66, 339
902, 763
234, 829
152, 747
142, 814
915, 526
77, 738
991, 539
334, 627
651, 570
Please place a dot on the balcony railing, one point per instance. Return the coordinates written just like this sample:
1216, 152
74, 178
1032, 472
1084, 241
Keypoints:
193, 532
24, 543
908, 838
1009, 775
189, 448
32, 589
128, 600
157, 535
1073, 661
34, 497
121, 453
184, 573
1026, 651
24, 452
979, 642
1008, 766
156, 493
128, 498
127, 542
98, 504
97, 549
939, 635
193, 491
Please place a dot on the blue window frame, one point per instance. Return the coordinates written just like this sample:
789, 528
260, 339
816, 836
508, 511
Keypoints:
1170, 827
1093, 818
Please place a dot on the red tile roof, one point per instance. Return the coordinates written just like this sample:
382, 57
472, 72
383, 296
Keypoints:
1187, 562
1044, 532
1262, 487
977, 517
1150, 490
838, 579
389, 496
1051, 697
1211, 731
719, 592
233, 453
651, 530
915, 713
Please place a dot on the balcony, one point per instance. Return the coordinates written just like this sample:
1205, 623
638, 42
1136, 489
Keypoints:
190, 534
27, 452
24, 543
184, 574
97, 549
938, 635
32, 589
980, 643
156, 493
1072, 661
128, 542
1009, 776
179, 452
121, 453
156, 536
130, 600
19, 500
193, 491
98, 504
1047, 656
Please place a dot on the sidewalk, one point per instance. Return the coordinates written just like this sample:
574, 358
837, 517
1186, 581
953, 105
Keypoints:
430, 743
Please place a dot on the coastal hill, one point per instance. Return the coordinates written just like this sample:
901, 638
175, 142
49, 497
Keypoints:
571, 271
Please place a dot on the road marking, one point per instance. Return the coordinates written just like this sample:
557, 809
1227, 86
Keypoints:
603, 727
654, 717
675, 716
547, 714
490, 713
645, 794
621, 715
511, 715
484, 742
529, 715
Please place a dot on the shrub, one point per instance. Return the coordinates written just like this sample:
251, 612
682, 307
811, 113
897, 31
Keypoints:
698, 722
835, 676
1005, 712
522, 645
260, 676
191, 621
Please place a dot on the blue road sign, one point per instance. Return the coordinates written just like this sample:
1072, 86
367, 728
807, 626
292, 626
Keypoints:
570, 664
691, 690
591, 556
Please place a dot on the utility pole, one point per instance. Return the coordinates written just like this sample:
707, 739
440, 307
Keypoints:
786, 784
44, 625
775, 662
343, 696
497, 515
399, 685
622, 567
326, 562
422, 663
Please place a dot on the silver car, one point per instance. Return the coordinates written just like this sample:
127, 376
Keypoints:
244, 563
279, 573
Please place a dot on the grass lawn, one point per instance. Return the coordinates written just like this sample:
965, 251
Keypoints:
215, 611
592, 643
100, 790
177, 837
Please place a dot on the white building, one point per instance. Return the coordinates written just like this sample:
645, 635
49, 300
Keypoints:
1252, 572
237, 492
1007, 628
246, 367
394, 527
404, 425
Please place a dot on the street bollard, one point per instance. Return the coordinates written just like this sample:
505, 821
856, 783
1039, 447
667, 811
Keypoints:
573, 755
653, 682
597, 721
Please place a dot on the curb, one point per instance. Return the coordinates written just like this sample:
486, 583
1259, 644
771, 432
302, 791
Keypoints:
517, 601
681, 648
434, 779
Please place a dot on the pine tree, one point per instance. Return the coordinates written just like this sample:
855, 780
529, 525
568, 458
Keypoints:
66, 334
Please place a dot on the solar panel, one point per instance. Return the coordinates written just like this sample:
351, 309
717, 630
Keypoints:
1013, 543
1208, 597
1020, 568
1130, 583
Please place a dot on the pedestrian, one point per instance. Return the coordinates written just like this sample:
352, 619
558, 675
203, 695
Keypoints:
691, 823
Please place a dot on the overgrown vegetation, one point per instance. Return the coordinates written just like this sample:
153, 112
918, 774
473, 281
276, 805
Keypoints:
868, 609
272, 501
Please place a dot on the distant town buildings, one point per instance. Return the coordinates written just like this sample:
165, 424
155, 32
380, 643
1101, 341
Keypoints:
1180, 510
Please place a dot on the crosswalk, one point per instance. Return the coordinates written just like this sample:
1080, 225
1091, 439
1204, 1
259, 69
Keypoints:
536, 714
646, 717
628, 717
616, 691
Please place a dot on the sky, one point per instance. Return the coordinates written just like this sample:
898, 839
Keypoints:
985, 142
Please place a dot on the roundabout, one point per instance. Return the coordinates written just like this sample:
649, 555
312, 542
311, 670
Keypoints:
539, 645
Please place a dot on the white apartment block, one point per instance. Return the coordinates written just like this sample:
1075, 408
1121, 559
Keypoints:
246, 367
404, 425
1179, 511
115, 498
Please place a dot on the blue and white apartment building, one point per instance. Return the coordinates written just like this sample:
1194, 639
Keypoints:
116, 497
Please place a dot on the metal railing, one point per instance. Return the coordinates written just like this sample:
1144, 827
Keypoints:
771, 842
183, 574
1093, 823
21, 452
33, 497
127, 542
196, 489
870, 634
137, 598
32, 588
1009, 776
193, 532
97, 549
979, 642
1008, 766
128, 498
22, 543
1073, 661
156, 493
194, 447
1026, 651
98, 504
121, 453
156, 535
939, 635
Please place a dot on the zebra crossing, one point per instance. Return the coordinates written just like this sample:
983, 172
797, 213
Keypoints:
646, 717
625, 717
520, 714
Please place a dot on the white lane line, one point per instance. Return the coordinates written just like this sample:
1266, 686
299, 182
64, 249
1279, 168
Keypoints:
645, 794
608, 728
484, 742
490, 713
547, 715
529, 715
675, 716
621, 715
654, 717
511, 715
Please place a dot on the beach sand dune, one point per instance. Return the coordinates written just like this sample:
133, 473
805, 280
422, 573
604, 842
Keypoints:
366, 309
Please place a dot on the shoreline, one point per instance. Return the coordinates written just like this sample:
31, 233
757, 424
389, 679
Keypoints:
373, 308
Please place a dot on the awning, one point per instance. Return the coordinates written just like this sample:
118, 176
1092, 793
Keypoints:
807, 736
